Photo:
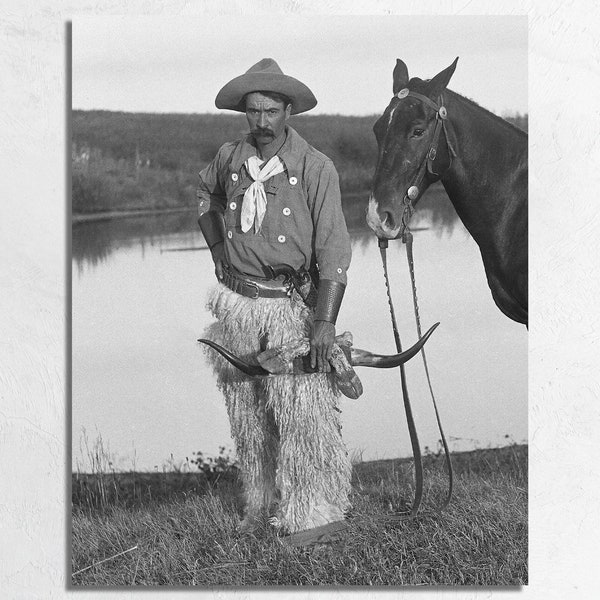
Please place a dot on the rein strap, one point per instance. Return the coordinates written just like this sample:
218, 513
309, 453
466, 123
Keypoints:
408, 239
412, 429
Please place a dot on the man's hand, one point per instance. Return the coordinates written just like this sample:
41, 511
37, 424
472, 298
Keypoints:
218, 256
321, 344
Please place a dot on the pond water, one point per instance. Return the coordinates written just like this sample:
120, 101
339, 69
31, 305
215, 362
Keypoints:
140, 381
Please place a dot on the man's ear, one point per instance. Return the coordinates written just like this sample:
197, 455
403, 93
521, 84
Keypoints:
288, 111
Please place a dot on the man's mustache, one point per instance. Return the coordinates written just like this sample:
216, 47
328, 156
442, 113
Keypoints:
259, 131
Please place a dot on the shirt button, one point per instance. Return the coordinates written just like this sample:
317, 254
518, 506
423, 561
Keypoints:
293, 181
233, 206
339, 270
234, 176
229, 234
281, 238
287, 211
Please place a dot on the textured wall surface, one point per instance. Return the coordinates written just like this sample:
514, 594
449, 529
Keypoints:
564, 62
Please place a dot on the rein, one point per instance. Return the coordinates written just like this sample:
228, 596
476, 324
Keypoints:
411, 195
412, 430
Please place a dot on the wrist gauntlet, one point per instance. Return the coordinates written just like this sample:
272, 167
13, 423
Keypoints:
213, 228
329, 300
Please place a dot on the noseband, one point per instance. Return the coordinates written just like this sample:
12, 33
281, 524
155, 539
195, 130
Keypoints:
414, 190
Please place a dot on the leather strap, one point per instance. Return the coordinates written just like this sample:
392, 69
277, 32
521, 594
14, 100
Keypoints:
424, 99
253, 287
329, 300
408, 239
412, 429
427, 163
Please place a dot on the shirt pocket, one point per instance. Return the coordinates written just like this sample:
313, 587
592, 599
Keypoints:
233, 180
235, 198
288, 218
270, 225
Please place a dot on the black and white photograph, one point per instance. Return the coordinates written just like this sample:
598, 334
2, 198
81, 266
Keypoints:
299, 301
266, 277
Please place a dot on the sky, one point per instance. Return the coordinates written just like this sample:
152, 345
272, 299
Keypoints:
177, 65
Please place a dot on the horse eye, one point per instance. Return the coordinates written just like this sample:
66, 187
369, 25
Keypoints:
418, 132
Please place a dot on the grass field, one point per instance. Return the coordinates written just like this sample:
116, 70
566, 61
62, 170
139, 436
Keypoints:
180, 529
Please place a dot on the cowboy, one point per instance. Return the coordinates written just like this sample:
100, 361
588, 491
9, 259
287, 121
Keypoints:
270, 212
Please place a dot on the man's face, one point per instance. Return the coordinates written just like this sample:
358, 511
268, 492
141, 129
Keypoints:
266, 117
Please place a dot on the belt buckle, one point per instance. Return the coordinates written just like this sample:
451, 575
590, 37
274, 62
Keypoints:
254, 289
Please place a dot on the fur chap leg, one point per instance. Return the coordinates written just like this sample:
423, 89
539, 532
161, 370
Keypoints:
286, 428
257, 444
314, 470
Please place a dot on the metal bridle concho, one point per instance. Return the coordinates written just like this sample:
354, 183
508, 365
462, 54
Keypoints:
441, 115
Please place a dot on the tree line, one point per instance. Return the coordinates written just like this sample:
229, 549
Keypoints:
141, 160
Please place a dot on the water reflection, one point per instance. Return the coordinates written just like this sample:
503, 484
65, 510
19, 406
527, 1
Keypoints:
95, 241
141, 381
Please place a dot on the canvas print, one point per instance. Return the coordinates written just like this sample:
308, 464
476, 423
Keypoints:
299, 301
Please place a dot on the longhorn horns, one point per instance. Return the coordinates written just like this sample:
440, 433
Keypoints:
358, 357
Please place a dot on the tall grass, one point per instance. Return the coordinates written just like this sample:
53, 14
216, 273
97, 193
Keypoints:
191, 538
99, 486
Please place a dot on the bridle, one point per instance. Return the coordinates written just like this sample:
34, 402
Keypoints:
415, 188
411, 194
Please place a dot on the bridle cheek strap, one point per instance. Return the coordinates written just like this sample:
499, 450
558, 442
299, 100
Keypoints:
414, 190
441, 114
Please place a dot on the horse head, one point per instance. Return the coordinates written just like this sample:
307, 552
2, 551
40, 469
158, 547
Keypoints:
414, 150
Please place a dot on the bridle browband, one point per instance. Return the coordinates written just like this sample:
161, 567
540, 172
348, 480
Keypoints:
414, 190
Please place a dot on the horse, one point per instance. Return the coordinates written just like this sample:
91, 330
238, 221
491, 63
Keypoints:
429, 133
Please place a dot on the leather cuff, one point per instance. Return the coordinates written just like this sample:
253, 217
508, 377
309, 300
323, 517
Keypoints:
329, 300
213, 228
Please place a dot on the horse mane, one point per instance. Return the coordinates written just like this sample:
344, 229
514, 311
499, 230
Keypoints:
489, 113
473, 104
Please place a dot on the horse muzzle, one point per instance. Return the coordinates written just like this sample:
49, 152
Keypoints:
383, 222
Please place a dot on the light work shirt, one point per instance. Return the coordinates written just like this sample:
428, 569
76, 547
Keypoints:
303, 223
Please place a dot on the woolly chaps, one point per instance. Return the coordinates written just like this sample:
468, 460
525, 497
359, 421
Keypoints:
287, 432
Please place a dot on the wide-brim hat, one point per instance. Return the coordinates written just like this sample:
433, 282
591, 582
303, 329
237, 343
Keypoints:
265, 76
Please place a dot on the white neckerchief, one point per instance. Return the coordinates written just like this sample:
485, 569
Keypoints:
254, 205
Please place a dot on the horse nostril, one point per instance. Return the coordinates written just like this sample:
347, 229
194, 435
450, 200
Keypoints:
387, 219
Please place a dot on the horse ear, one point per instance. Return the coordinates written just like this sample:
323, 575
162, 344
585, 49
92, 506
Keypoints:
438, 84
400, 76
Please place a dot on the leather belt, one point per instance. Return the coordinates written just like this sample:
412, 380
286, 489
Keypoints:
255, 287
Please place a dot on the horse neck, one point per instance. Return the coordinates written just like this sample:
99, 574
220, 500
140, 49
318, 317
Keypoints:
488, 153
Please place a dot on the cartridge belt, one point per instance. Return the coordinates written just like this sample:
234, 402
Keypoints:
257, 287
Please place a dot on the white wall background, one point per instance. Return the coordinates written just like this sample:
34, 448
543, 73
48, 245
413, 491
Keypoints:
564, 76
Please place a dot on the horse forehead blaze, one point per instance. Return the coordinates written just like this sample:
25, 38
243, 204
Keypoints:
397, 118
400, 152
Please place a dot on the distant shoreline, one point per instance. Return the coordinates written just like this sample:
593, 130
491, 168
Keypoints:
117, 214
134, 212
